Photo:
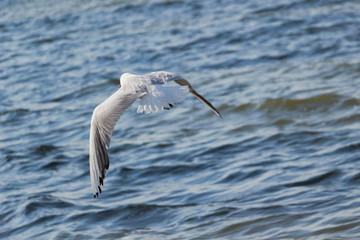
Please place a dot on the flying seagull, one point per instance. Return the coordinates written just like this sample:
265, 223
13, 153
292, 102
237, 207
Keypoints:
154, 97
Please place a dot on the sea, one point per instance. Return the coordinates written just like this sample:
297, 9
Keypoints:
283, 162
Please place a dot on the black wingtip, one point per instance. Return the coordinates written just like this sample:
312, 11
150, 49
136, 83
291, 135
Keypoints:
94, 196
100, 189
101, 180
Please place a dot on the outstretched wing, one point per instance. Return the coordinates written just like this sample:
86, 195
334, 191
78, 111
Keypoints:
162, 77
103, 122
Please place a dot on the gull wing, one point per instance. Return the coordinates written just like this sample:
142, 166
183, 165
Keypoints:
162, 77
183, 82
103, 121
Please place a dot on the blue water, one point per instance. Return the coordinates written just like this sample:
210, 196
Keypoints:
283, 163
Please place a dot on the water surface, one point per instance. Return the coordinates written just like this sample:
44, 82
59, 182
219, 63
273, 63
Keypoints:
281, 164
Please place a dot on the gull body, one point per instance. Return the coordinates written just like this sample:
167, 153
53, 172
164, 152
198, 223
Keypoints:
154, 97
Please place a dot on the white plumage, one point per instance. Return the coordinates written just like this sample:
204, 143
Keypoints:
154, 97
160, 97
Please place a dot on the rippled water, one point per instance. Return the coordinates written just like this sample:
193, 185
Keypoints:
283, 163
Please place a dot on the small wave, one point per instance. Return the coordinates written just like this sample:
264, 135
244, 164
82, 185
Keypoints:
321, 102
282, 122
84, 91
43, 150
224, 149
39, 203
179, 169
240, 175
234, 109
325, 177
354, 179
26, 227
12, 116
47, 40
303, 141
53, 165
354, 147
53, 21
219, 212
142, 215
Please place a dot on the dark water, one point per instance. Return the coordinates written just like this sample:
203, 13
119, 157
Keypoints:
283, 163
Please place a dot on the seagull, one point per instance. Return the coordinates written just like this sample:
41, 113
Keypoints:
154, 97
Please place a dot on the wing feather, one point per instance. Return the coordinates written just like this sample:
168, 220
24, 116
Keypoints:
160, 97
103, 121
